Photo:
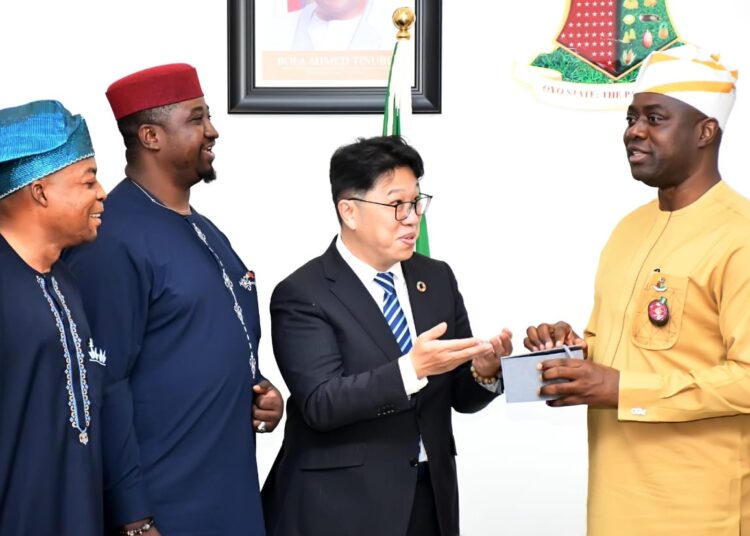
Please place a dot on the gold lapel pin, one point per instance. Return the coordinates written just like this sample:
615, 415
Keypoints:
421, 286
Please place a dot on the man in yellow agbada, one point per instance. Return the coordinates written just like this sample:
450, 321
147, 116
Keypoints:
667, 374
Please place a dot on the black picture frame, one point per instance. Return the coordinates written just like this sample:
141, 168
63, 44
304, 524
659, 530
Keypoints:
246, 97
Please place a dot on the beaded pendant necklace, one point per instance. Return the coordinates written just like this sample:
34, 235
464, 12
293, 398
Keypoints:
75, 421
157, 202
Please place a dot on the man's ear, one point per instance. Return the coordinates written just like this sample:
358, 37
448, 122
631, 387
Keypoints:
38, 193
149, 136
347, 213
709, 130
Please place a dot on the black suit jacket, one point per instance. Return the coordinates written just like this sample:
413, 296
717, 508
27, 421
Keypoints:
347, 465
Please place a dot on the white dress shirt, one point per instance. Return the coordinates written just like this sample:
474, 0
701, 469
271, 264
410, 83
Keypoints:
366, 274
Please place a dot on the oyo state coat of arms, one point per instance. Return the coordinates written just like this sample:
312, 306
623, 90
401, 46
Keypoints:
598, 51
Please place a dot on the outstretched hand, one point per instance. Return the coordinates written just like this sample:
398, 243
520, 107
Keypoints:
431, 356
487, 365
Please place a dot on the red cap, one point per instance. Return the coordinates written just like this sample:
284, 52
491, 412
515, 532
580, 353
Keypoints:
154, 87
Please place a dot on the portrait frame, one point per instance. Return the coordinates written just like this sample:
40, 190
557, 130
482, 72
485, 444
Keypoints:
246, 97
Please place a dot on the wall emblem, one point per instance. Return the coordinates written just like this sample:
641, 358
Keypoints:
598, 51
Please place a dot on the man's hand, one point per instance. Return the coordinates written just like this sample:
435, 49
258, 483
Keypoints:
487, 365
431, 356
153, 531
268, 406
547, 336
590, 383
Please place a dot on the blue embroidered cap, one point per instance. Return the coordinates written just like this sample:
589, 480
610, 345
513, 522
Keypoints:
38, 139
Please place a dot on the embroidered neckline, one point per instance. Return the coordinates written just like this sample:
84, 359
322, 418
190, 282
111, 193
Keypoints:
187, 212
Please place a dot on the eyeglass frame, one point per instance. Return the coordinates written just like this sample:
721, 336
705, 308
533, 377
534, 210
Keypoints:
396, 205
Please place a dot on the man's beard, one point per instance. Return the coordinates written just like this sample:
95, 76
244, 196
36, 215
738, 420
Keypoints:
209, 176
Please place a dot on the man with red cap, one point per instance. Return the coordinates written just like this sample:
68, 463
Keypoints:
178, 312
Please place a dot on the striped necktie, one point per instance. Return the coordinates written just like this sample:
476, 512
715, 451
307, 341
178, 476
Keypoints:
393, 313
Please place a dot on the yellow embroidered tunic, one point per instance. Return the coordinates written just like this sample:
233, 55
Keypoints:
674, 458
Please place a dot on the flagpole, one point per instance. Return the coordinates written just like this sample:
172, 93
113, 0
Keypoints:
398, 104
397, 112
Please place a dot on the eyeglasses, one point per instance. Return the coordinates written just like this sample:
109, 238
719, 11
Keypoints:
402, 209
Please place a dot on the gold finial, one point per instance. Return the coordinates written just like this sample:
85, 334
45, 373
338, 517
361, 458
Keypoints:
403, 19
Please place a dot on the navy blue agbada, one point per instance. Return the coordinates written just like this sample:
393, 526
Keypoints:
177, 311
50, 470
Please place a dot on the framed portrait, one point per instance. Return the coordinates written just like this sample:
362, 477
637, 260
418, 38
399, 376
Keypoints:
327, 56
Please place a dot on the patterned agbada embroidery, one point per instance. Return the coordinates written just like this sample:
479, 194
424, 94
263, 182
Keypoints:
248, 281
97, 355
75, 422
230, 287
227, 282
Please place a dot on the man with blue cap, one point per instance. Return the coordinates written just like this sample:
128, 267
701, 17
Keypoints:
667, 375
51, 369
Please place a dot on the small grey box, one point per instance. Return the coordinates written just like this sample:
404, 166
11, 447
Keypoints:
521, 377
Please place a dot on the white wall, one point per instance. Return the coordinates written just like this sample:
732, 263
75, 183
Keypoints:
525, 194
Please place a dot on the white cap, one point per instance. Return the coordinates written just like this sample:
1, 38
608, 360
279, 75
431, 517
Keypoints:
693, 76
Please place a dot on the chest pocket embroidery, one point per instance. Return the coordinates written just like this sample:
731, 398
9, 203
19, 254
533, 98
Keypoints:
644, 333
248, 281
97, 355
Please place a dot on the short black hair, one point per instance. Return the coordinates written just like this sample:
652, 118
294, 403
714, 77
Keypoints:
130, 124
357, 166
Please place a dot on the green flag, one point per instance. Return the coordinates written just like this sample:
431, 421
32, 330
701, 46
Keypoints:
397, 110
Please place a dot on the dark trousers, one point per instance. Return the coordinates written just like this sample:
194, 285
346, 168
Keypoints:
423, 520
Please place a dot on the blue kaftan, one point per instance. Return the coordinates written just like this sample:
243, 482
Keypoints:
50, 481
183, 365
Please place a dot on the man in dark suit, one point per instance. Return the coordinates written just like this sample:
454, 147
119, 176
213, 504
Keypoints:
368, 447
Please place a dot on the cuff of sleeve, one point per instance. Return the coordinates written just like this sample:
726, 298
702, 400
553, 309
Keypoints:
494, 387
128, 505
639, 393
412, 384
